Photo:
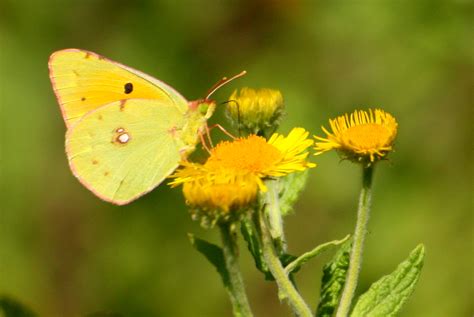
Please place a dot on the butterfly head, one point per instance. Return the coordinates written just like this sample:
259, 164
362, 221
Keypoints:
206, 108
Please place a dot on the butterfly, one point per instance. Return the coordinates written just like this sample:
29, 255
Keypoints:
126, 131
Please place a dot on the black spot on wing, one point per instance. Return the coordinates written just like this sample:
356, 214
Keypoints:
128, 88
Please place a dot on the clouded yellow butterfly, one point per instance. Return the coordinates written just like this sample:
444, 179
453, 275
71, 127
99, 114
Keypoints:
126, 131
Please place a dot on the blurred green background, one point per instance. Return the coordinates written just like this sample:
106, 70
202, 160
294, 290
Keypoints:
64, 252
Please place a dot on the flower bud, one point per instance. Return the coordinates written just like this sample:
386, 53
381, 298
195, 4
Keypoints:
256, 111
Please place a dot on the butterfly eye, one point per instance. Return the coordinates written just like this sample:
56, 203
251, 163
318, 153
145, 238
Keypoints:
203, 108
128, 88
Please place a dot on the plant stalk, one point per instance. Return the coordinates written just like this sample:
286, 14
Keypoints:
286, 289
273, 213
355, 260
236, 289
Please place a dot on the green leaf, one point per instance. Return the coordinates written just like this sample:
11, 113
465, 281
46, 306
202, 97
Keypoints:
332, 283
213, 254
249, 232
290, 189
387, 296
296, 264
12, 308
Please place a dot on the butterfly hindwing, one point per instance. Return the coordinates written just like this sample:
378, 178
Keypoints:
84, 81
124, 149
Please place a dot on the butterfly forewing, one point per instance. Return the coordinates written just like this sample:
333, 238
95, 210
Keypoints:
122, 150
84, 81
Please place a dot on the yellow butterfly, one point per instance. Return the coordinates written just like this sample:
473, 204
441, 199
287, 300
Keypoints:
126, 131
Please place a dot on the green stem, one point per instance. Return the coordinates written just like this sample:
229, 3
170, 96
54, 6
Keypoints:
238, 297
273, 213
286, 289
355, 260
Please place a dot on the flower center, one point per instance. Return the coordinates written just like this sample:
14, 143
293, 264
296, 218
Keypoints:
252, 154
368, 136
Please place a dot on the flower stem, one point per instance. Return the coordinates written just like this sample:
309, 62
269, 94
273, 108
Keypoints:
286, 289
355, 260
273, 213
236, 288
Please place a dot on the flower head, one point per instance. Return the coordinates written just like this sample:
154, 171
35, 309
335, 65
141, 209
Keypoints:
256, 111
216, 195
278, 156
228, 182
223, 191
362, 136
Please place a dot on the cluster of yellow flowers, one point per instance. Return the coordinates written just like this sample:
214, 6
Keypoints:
234, 173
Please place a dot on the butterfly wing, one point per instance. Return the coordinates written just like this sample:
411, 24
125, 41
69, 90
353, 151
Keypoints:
84, 81
124, 149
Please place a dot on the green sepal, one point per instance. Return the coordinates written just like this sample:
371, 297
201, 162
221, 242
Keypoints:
213, 254
10, 307
333, 280
290, 188
387, 296
297, 262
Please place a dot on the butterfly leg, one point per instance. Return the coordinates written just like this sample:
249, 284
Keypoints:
222, 129
208, 134
203, 142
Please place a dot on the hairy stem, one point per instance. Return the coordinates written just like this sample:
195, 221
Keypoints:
355, 260
273, 213
286, 289
240, 304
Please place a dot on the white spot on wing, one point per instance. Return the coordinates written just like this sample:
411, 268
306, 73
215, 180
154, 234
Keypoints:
123, 138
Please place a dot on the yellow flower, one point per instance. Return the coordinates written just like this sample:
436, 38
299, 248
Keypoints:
361, 136
216, 194
293, 152
223, 190
278, 156
229, 181
257, 111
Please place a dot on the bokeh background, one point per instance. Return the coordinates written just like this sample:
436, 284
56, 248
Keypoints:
63, 252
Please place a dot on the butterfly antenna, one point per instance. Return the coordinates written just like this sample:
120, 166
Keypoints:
238, 118
223, 82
